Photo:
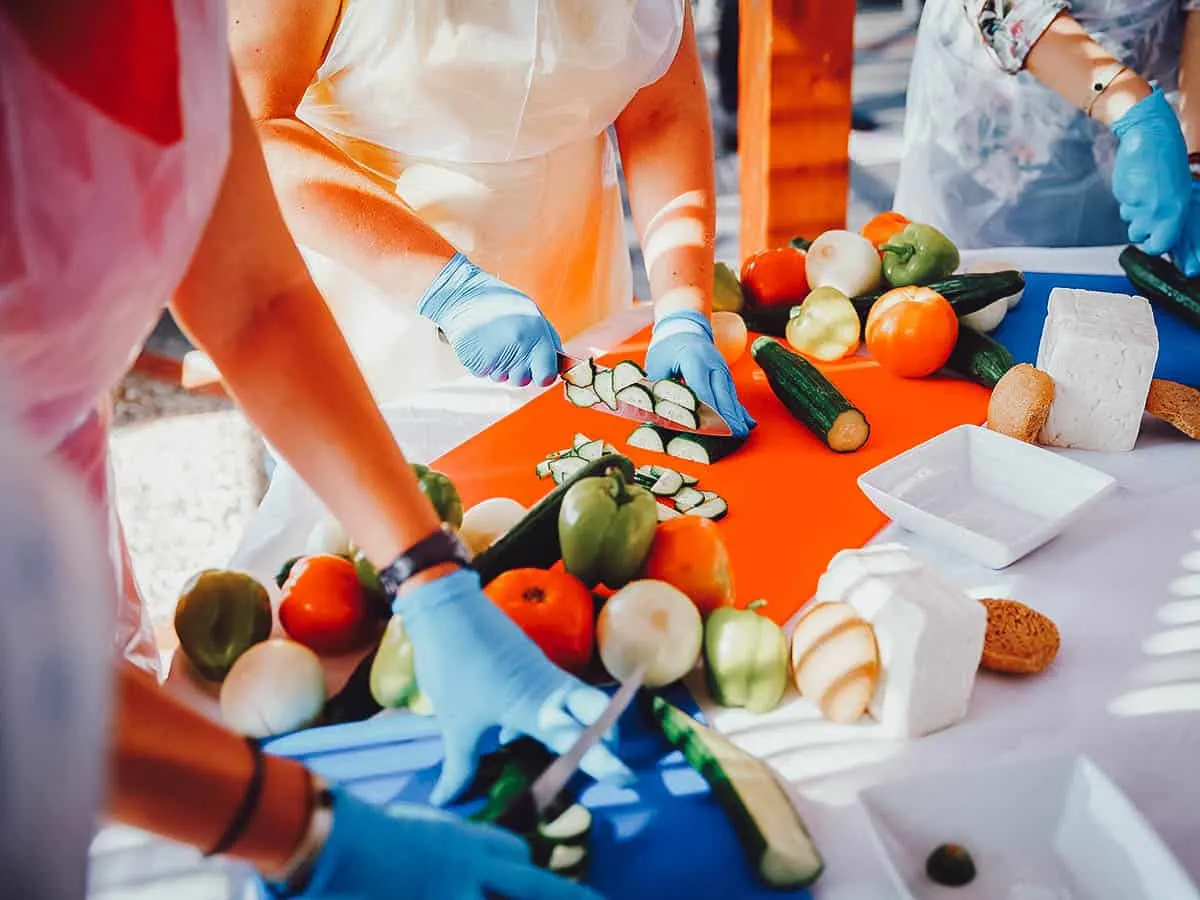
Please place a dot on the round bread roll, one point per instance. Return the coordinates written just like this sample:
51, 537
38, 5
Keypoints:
1176, 404
1020, 403
1019, 639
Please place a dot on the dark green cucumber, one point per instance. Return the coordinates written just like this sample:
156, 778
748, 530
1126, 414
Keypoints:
763, 816
979, 358
1162, 284
965, 293
810, 397
533, 541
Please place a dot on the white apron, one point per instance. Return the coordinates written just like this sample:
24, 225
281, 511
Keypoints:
98, 222
490, 118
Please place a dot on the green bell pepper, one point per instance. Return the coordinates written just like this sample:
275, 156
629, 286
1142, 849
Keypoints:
441, 493
745, 658
605, 528
919, 254
220, 615
727, 290
394, 673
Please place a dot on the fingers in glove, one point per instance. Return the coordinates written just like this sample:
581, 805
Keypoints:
543, 362
1162, 237
521, 376
526, 882
727, 403
558, 727
458, 768
1138, 231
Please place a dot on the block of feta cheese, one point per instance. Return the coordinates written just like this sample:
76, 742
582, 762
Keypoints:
1100, 349
930, 636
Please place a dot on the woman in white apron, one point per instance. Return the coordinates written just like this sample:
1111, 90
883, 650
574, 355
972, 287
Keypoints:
115, 194
1000, 149
405, 131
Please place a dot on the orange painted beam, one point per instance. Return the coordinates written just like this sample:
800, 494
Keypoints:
796, 58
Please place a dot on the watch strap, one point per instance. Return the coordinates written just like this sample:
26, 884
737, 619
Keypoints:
442, 546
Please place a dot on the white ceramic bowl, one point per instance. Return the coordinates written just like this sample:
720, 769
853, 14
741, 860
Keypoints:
989, 496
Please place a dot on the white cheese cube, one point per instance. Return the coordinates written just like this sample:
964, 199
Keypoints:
1100, 349
930, 636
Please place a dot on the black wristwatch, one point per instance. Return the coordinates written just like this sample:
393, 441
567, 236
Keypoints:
1194, 164
443, 546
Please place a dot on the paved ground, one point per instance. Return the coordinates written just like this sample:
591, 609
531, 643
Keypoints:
189, 469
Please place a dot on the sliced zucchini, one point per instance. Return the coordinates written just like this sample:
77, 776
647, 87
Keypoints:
767, 824
636, 395
582, 396
581, 374
579, 440
543, 469
673, 412
647, 437
603, 386
676, 392
689, 480
564, 467
566, 857
646, 473
572, 826
626, 373
668, 484
591, 450
710, 495
609, 449
665, 512
703, 448
687, 497
557, 453
710, 509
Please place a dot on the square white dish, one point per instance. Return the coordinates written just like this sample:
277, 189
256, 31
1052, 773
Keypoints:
984, 494
1049, 829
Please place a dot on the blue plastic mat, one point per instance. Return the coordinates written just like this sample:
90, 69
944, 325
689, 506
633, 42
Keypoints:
664, 833
1021, 330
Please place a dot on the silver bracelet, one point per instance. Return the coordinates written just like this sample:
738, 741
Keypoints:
298, 870
1102, 84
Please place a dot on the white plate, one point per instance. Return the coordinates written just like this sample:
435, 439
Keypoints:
989, 496
1050, 829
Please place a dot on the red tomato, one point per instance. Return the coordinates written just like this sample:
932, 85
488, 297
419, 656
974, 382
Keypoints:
911, 331
323, 605
776, 277
555, 609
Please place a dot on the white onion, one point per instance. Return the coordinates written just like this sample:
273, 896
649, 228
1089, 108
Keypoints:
275, 687
487, 521
844, 260
650, 622
327, 536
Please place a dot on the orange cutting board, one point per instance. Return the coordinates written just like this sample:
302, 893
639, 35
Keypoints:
793, 503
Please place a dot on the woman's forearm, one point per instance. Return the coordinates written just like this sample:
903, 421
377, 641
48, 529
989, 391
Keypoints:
1068, 61
665, 137
343, 211
178, 775
1189, 81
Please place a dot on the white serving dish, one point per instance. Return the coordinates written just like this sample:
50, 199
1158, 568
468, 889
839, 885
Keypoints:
987, 495
1048, 829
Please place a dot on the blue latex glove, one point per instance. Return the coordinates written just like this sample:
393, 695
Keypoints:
496, 331
421, 853
480, 670
682, 344
1186, 252
1150, 174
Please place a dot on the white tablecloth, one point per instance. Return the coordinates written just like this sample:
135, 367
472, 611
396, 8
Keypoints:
1123, 586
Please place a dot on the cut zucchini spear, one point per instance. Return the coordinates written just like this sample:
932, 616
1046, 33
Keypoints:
581, 374
636, 395
603, 386
582, 396
626, 373
767, 824
700, 448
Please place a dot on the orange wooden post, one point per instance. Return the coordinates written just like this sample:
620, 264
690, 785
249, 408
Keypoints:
794, 107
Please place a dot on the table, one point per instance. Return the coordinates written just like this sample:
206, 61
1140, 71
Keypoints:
1124, 587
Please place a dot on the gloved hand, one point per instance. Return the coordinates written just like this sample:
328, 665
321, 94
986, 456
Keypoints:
1186, 252
496, 331
480, 670
1150, 174
682, 344
421, 853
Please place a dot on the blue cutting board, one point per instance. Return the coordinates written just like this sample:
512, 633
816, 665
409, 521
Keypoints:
1021, 330
665, 832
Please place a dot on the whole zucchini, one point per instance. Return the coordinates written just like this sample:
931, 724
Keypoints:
1162, 284
966, 294
979, 358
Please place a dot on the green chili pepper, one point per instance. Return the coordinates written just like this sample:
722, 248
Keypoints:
441, 493
746, 658
919, 254
605, 528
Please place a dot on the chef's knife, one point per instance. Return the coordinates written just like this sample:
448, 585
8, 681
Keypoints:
524, 813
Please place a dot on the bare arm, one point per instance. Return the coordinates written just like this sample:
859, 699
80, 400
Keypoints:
665, 136
1189, 80
330, 202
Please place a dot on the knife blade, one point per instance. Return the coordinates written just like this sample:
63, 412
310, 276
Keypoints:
525, 811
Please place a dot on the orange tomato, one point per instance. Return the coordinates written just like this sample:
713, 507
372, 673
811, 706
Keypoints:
884, 227
688, 554
324, 607
911, 331
776, 277
554, 609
